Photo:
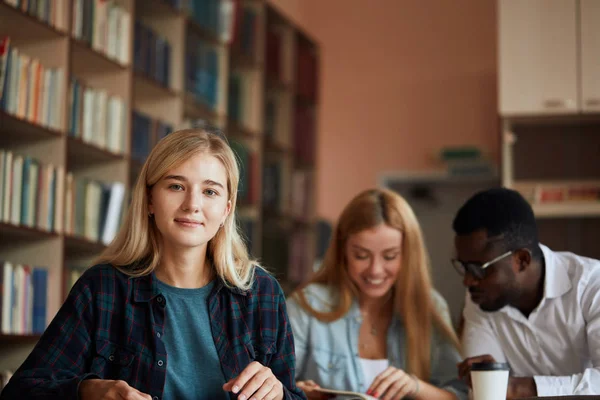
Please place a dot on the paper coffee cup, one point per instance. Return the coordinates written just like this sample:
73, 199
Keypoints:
489, 380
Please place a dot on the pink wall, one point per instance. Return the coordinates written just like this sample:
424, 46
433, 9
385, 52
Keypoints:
400, 79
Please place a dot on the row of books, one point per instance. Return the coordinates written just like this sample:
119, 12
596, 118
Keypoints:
306, 71
245, 29
31, 193
97, 117
282, 197
214, 16
93, 209
52, 12
544, 193
105, 26
152, 54
146, 132
24, 291
248, 162
287, 253
29, 89
202, 70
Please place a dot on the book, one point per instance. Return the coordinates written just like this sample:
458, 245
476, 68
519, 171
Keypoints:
345, 394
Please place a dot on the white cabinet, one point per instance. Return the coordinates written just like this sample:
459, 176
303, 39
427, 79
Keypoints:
537, 50
590, 55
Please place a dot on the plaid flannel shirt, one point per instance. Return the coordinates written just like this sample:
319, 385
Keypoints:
110, 327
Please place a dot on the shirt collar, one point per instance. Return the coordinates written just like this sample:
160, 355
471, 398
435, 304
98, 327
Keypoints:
556, 280
145, 288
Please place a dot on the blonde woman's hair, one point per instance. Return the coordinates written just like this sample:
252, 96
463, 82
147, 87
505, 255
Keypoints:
136, 250
413, 290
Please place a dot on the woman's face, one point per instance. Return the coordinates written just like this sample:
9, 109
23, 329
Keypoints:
374, 259
190, 202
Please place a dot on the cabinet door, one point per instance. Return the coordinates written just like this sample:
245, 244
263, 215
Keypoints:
537, 50
590, 55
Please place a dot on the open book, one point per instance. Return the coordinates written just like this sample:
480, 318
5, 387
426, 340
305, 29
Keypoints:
346, 395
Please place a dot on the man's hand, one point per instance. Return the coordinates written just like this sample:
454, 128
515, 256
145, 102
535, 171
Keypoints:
521, 387
257, 382
103, 389
464, 368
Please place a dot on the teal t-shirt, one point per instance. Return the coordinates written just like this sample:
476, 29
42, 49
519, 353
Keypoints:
193, 367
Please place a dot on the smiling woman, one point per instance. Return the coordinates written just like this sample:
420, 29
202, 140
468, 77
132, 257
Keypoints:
175, 308
369, 320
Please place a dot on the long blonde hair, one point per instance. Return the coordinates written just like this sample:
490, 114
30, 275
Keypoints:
412, 289
136, 250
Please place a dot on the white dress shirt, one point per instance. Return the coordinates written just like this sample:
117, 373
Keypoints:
559, 344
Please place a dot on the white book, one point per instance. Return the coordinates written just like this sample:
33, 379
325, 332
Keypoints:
17, 190
56, 111
124, 37
69, 191
100, 118
2, 182
6, 298
113, 212
8, 177
13, 81
33, 193
45, 105
17, 304
59, 199
42, 203
99, 27
89, 100
112, 31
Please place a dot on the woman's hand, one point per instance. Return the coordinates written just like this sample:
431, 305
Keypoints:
255, 382
393, 384
103, 389
308, 387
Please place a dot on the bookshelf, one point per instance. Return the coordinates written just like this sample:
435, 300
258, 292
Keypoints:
289, 172
112, 83
553, 163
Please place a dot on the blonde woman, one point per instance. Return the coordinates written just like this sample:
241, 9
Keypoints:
369, 320
175, 309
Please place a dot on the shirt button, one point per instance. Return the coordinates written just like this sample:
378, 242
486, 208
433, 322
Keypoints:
160, 363
155, 398
158, 335
159, 299
111, 358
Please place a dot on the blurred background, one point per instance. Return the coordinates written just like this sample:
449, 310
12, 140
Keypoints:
319, 99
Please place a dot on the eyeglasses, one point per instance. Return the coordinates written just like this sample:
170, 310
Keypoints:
475, 269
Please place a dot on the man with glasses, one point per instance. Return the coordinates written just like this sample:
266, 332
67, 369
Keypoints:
536, 309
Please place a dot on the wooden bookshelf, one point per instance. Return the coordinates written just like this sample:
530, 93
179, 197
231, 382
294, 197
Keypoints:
553, 163
289, 150
160, 95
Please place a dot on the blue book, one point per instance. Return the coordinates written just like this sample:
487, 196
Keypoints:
40, 299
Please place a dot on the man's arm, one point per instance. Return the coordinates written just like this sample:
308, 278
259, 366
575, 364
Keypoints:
588, 381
